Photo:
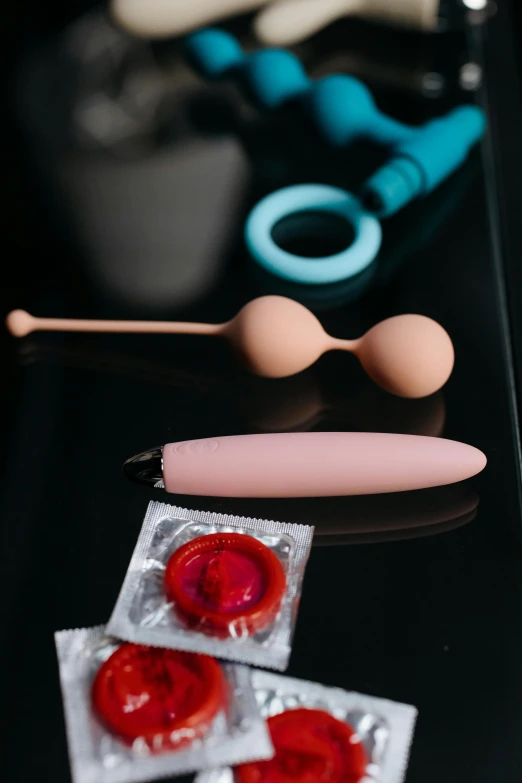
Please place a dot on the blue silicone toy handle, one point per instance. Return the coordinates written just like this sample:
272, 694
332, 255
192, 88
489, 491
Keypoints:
422, 162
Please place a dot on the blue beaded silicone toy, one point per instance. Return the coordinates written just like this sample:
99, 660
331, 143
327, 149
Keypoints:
343, 110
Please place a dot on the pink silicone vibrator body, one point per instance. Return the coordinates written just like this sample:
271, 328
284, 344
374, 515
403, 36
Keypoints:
308, 464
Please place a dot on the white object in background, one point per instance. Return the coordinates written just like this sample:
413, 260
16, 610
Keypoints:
165, 18
282, 23
290, 21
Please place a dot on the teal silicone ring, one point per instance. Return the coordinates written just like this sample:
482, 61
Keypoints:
314, 198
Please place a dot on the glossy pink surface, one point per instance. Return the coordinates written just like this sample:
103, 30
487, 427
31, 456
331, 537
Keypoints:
312, 464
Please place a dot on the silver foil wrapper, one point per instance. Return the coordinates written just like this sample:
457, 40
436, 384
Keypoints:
143, 613
97, 756
384, 727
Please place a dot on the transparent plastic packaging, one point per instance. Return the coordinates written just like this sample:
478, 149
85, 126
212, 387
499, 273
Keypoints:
377, 735
128, 720
211, 583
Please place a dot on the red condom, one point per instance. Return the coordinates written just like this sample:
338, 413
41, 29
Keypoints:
311, 746
165, 697
226, 584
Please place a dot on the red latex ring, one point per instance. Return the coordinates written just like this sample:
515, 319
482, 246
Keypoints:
311, 746
227, 584
166, 698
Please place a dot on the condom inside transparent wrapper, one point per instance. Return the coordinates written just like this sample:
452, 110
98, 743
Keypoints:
325, 734
137, 713
222, 585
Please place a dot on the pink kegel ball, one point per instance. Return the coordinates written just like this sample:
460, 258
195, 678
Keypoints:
408, 355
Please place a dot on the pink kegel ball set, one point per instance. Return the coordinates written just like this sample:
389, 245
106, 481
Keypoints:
408, 355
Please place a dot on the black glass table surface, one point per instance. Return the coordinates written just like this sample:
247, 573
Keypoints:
414, 597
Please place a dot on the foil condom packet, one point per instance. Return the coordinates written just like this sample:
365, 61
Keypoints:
211, 583
325, 735
135, 713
